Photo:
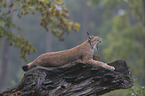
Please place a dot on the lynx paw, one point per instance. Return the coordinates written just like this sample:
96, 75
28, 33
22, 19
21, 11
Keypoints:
112, 68
108, 67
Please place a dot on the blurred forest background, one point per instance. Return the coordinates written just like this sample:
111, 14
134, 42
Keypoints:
26, 26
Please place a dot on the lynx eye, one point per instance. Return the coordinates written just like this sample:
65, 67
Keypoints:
90, 37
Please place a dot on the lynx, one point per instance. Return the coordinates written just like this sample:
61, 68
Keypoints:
82, 53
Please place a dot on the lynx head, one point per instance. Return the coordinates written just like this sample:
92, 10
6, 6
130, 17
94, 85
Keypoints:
94, 41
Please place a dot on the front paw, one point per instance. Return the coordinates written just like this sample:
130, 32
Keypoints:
108, 67
111, 68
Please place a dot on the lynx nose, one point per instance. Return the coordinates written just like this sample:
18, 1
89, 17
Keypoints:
100, 40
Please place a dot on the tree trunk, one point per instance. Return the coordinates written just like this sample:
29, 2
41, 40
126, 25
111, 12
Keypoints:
48, 42
85, 20
5, 54
74, 79
4, 64
144, 44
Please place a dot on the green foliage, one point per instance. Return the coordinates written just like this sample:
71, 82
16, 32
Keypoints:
125, 39
18, 41
53, 14
134, 91
139, 91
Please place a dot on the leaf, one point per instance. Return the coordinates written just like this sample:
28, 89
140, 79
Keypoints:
53, 14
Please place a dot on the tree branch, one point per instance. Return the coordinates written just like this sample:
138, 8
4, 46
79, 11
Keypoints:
73, 79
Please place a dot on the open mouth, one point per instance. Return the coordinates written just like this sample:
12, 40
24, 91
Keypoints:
97, 46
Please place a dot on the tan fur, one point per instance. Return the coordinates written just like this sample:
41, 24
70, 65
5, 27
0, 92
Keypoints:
82, 53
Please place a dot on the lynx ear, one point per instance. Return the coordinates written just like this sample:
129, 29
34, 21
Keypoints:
89, 37
88, 34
